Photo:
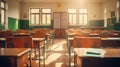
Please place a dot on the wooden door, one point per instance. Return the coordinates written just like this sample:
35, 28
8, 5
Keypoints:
60, 24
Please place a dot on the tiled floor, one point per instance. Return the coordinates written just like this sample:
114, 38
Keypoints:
58, 54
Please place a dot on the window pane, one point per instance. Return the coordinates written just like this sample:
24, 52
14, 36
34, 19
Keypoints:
46, 10
35, 11
80, 19
72, 10
85, 19
2, 16
32, 19
74, 19
2, 4
43, 19
37, 19
83, 11
70, 19
48, 19
118, 4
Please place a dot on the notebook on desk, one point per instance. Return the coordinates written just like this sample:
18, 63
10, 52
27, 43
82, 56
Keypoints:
94, 52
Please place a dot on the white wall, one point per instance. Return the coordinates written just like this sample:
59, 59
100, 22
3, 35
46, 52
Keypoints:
13, 9
95, 10
110, 5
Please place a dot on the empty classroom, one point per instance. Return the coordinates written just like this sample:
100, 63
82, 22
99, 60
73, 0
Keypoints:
59, 33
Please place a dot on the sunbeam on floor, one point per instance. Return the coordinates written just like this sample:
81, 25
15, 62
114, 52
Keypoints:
57, 56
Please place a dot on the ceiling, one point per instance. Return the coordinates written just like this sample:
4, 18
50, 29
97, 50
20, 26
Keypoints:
50, 1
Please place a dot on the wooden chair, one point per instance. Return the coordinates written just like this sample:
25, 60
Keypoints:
19, 42
81, 35
4, 34
86, 42
37, 34
105, 34
110, 42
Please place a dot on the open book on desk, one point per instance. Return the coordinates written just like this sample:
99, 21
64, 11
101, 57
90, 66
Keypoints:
94, 52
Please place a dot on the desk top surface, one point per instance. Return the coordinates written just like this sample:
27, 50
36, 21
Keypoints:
39, 39
109, 53
13, 51
21, 34
110, 38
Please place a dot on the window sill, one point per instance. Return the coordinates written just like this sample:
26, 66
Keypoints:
40, 25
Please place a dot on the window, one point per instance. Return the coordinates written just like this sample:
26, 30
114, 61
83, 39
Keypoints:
83, 16
34, 16
72, 16
118, 11
78, 17
40, 16
105, 17
3, 13
46, 16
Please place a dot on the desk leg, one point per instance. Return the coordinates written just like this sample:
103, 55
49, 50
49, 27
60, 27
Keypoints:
44, 54
69, 49
30, 57
16, 62
39, 54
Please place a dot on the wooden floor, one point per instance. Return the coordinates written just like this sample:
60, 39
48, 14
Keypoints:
57, 56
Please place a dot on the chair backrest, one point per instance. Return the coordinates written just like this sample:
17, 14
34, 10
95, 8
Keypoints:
6, 33
86, 42
110, 43
105, 34
19, 42
81, 35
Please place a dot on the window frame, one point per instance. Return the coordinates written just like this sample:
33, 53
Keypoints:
74, 13
46, 16
3, 21
40, 17
77, 17
83, 14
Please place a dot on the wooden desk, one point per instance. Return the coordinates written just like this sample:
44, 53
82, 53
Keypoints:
38, 40
110, 59
14, 57
105, 43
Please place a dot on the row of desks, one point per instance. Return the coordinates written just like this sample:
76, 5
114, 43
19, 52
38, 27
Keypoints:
112, 38
16, 52
91, 34
111, 58
70, 39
